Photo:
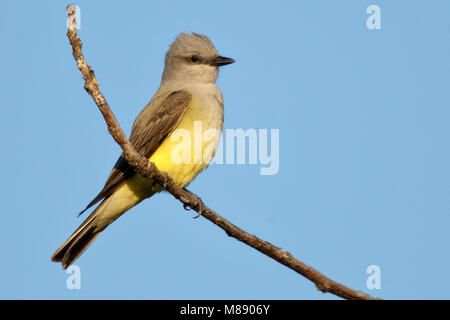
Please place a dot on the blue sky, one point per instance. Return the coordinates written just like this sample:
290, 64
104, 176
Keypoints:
364, 175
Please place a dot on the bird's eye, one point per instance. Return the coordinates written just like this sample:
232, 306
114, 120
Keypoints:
194, 59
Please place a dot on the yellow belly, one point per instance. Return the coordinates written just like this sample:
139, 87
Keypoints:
190, 147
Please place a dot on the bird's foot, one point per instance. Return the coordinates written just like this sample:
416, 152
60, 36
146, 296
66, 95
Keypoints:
195, 203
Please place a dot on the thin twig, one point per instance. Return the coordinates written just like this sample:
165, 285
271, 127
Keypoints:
147, 169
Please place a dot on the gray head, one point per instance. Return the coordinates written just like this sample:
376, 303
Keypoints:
193, 57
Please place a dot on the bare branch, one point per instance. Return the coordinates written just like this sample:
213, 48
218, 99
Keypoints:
147, 169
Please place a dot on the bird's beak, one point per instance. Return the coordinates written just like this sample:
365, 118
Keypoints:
220, 61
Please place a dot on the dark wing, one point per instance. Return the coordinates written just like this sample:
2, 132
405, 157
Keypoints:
146, 137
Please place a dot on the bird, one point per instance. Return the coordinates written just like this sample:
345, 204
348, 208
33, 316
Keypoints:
188, 100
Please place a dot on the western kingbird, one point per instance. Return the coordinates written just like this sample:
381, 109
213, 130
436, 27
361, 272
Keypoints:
188, 96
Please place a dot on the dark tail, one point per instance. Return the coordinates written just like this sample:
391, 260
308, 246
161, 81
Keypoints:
80, 240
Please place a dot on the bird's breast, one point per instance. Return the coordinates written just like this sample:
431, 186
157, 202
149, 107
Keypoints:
192, 144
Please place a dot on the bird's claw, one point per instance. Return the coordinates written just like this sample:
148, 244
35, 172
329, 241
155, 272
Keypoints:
200, 206
198, 215
193, 202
